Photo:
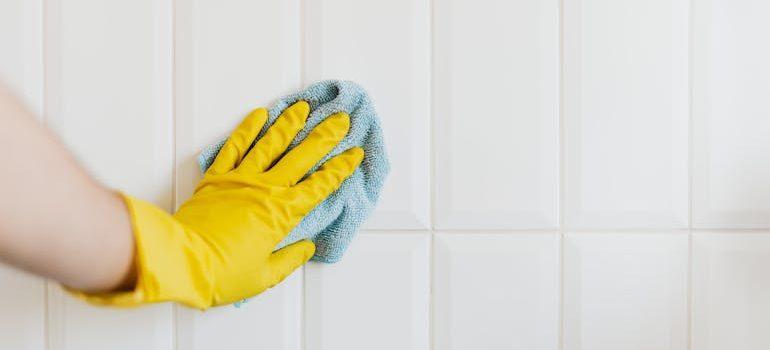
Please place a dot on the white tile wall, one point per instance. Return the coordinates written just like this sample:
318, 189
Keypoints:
377, 298
731, 309
557, 166
625, 113
730, 109
389, 54
232, 57
21, 38
271, 321
22, 321
111, 71
496, 110
22, 312
625, 291
496, 291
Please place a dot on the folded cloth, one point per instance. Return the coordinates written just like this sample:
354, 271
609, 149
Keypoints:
333, 223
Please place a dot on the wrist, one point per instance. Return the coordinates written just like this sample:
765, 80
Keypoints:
168, 262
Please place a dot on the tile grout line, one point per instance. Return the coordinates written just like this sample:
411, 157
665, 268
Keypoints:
174, 188
576, 232
432, 172
53, 299
561, 170
689, 289
44, 120
302, 80
690, 175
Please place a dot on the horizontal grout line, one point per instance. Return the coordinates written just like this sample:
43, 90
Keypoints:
533, 229
671, 230
495, 232
609, 231
567, 231
395, 232
731, 231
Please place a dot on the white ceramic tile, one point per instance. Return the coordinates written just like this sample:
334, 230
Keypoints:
385, 47
110, 67
108, 96
271, 320
731, 306
496, 291
377, 297
730, 109
22, 301
625, 291
21, 49
22, 297
626, 113
496, 108
231, 57
74, 325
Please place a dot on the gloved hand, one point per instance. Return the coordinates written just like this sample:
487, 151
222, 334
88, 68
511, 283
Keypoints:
218, 248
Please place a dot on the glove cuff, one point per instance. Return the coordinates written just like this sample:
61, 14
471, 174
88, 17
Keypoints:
168, 259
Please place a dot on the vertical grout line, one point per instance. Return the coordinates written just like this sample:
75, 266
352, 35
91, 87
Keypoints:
43, 60
561, 170
561, 292
174, 170
43, 119
431, 287
690, 167
46, 337
431, 170
431, 117
302, 81
174, 199
689, 289
302, 40
690, 154
48, 286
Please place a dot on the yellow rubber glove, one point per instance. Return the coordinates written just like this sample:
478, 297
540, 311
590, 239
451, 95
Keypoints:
219, 247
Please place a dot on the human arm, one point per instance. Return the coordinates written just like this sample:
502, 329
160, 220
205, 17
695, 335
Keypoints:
55, 220
216, 249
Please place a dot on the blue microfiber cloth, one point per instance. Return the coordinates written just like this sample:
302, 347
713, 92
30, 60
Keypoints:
333, 223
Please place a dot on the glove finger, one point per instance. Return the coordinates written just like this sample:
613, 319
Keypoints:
238, 143
295, 164
271, 146
328, 178
287, 259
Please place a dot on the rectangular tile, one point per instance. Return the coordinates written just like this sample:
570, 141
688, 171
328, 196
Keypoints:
108, 96
231, 57
496, 291
22, 297
626, 113
108, 91
730, 124
730, 306
74, 325
218, 82
271, 320
21, 45
496, 104
377, 297
625, 291
389, 55
22, 301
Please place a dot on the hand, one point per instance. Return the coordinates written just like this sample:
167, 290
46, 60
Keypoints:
218, 248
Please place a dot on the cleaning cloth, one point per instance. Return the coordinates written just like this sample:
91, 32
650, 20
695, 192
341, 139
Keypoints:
333, 223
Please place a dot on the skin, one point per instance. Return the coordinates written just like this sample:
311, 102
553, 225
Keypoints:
56, 221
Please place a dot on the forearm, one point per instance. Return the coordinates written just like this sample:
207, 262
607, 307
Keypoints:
55, 220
